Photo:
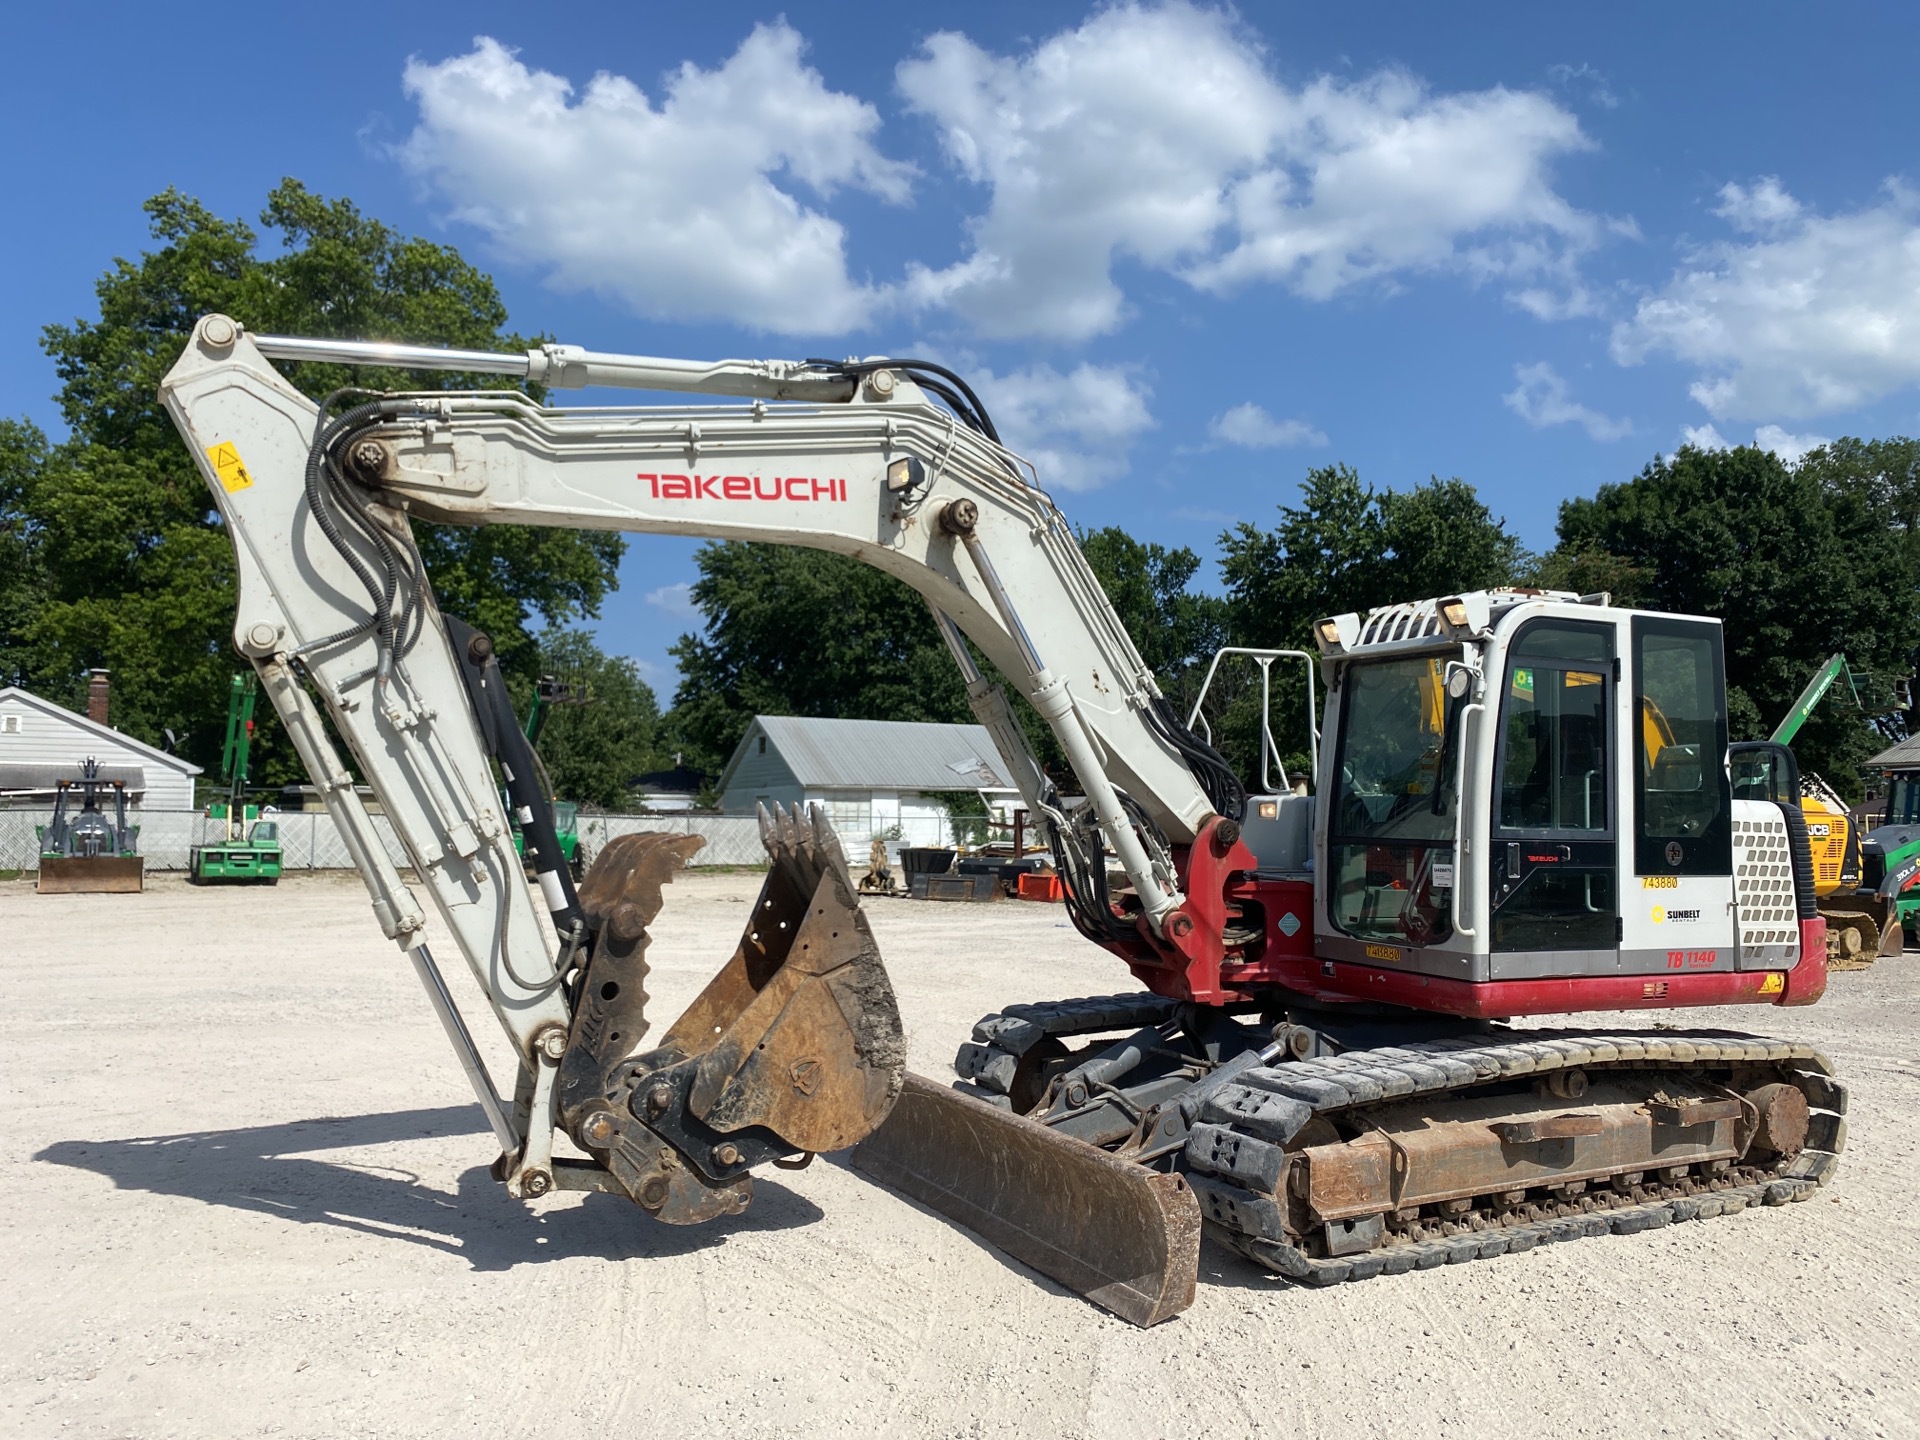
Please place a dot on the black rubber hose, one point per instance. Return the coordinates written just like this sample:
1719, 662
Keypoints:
320, 503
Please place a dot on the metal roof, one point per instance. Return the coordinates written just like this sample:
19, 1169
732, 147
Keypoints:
879, 754
1904, 756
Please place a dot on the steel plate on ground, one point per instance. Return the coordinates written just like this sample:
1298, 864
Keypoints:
1126, 1237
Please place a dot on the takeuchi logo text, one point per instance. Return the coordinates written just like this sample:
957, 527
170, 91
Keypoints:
744, 487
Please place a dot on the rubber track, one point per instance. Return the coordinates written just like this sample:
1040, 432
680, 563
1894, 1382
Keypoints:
1269, 1105
987, 1062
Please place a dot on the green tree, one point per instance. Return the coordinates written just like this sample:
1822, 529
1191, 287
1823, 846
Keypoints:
792, 631
1346, 546
23, 578
594, 746
1175, 627
1882, 477
1343, 547
1441, 539
1796, 562
132, 571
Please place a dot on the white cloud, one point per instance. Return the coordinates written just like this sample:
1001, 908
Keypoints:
1807, 314
1585, 77
684, 210
1252, 428
1542, 399
1149, 134
1789, 447
1765, 207
1076, 426
676, 600
1158, 135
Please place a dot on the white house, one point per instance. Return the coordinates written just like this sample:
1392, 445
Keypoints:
870, 776
42, 743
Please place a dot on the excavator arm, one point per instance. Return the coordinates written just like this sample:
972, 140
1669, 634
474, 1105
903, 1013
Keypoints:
795, 1047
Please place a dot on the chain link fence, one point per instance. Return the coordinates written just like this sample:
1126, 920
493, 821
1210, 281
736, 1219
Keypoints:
312, 842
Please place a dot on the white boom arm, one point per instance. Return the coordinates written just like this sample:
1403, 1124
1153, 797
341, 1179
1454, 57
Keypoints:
865, 466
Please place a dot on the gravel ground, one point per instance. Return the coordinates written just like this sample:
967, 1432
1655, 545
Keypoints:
247, 1194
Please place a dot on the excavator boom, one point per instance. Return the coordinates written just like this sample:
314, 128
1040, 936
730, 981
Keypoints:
795, 1047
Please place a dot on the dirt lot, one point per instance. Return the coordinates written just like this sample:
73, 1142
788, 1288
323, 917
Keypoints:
246, 1194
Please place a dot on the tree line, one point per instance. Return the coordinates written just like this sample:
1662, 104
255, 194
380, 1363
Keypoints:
1799, 561
111, 554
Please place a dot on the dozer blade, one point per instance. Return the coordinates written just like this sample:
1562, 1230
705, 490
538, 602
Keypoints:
1124, 1236
794, 1047
95, 875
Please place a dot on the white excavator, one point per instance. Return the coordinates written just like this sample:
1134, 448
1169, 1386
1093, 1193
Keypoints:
1525, 805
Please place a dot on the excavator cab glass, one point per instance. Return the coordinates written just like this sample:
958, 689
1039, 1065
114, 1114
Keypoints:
1903, 798
1682, 793
1555, 880
1762, 770
1390, 843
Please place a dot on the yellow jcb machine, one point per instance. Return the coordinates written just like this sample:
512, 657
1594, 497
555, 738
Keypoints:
1861, 925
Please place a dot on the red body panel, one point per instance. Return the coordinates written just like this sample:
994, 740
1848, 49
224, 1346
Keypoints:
1194, 961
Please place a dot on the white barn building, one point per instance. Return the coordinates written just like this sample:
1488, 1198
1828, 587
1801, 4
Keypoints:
42, 743
870, 776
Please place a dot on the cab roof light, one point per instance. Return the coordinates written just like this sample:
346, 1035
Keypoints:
1467, 616
1333, 632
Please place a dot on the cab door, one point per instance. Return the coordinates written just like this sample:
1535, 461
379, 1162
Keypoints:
1679, 918
1555, 853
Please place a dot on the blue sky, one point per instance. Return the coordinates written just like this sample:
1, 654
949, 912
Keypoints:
1186, 253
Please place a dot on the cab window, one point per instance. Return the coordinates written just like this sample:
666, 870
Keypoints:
1682, 806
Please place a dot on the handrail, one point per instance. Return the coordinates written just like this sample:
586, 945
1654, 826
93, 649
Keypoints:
1269, 750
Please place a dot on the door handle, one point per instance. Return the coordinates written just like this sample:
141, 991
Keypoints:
1513, 860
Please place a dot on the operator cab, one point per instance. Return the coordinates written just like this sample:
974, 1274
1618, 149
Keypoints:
1532, 785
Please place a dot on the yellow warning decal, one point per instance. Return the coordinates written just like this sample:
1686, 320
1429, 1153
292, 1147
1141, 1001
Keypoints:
1382, 952
228, 465
1773, 984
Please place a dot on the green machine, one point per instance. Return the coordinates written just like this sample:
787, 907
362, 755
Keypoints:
1890, 852
547, 693
251, 849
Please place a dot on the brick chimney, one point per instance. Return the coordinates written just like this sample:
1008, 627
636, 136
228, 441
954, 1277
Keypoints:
97, 697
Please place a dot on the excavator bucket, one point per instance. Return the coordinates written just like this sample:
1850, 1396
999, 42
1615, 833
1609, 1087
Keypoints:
91, 875
795, 1046
1124, 1236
